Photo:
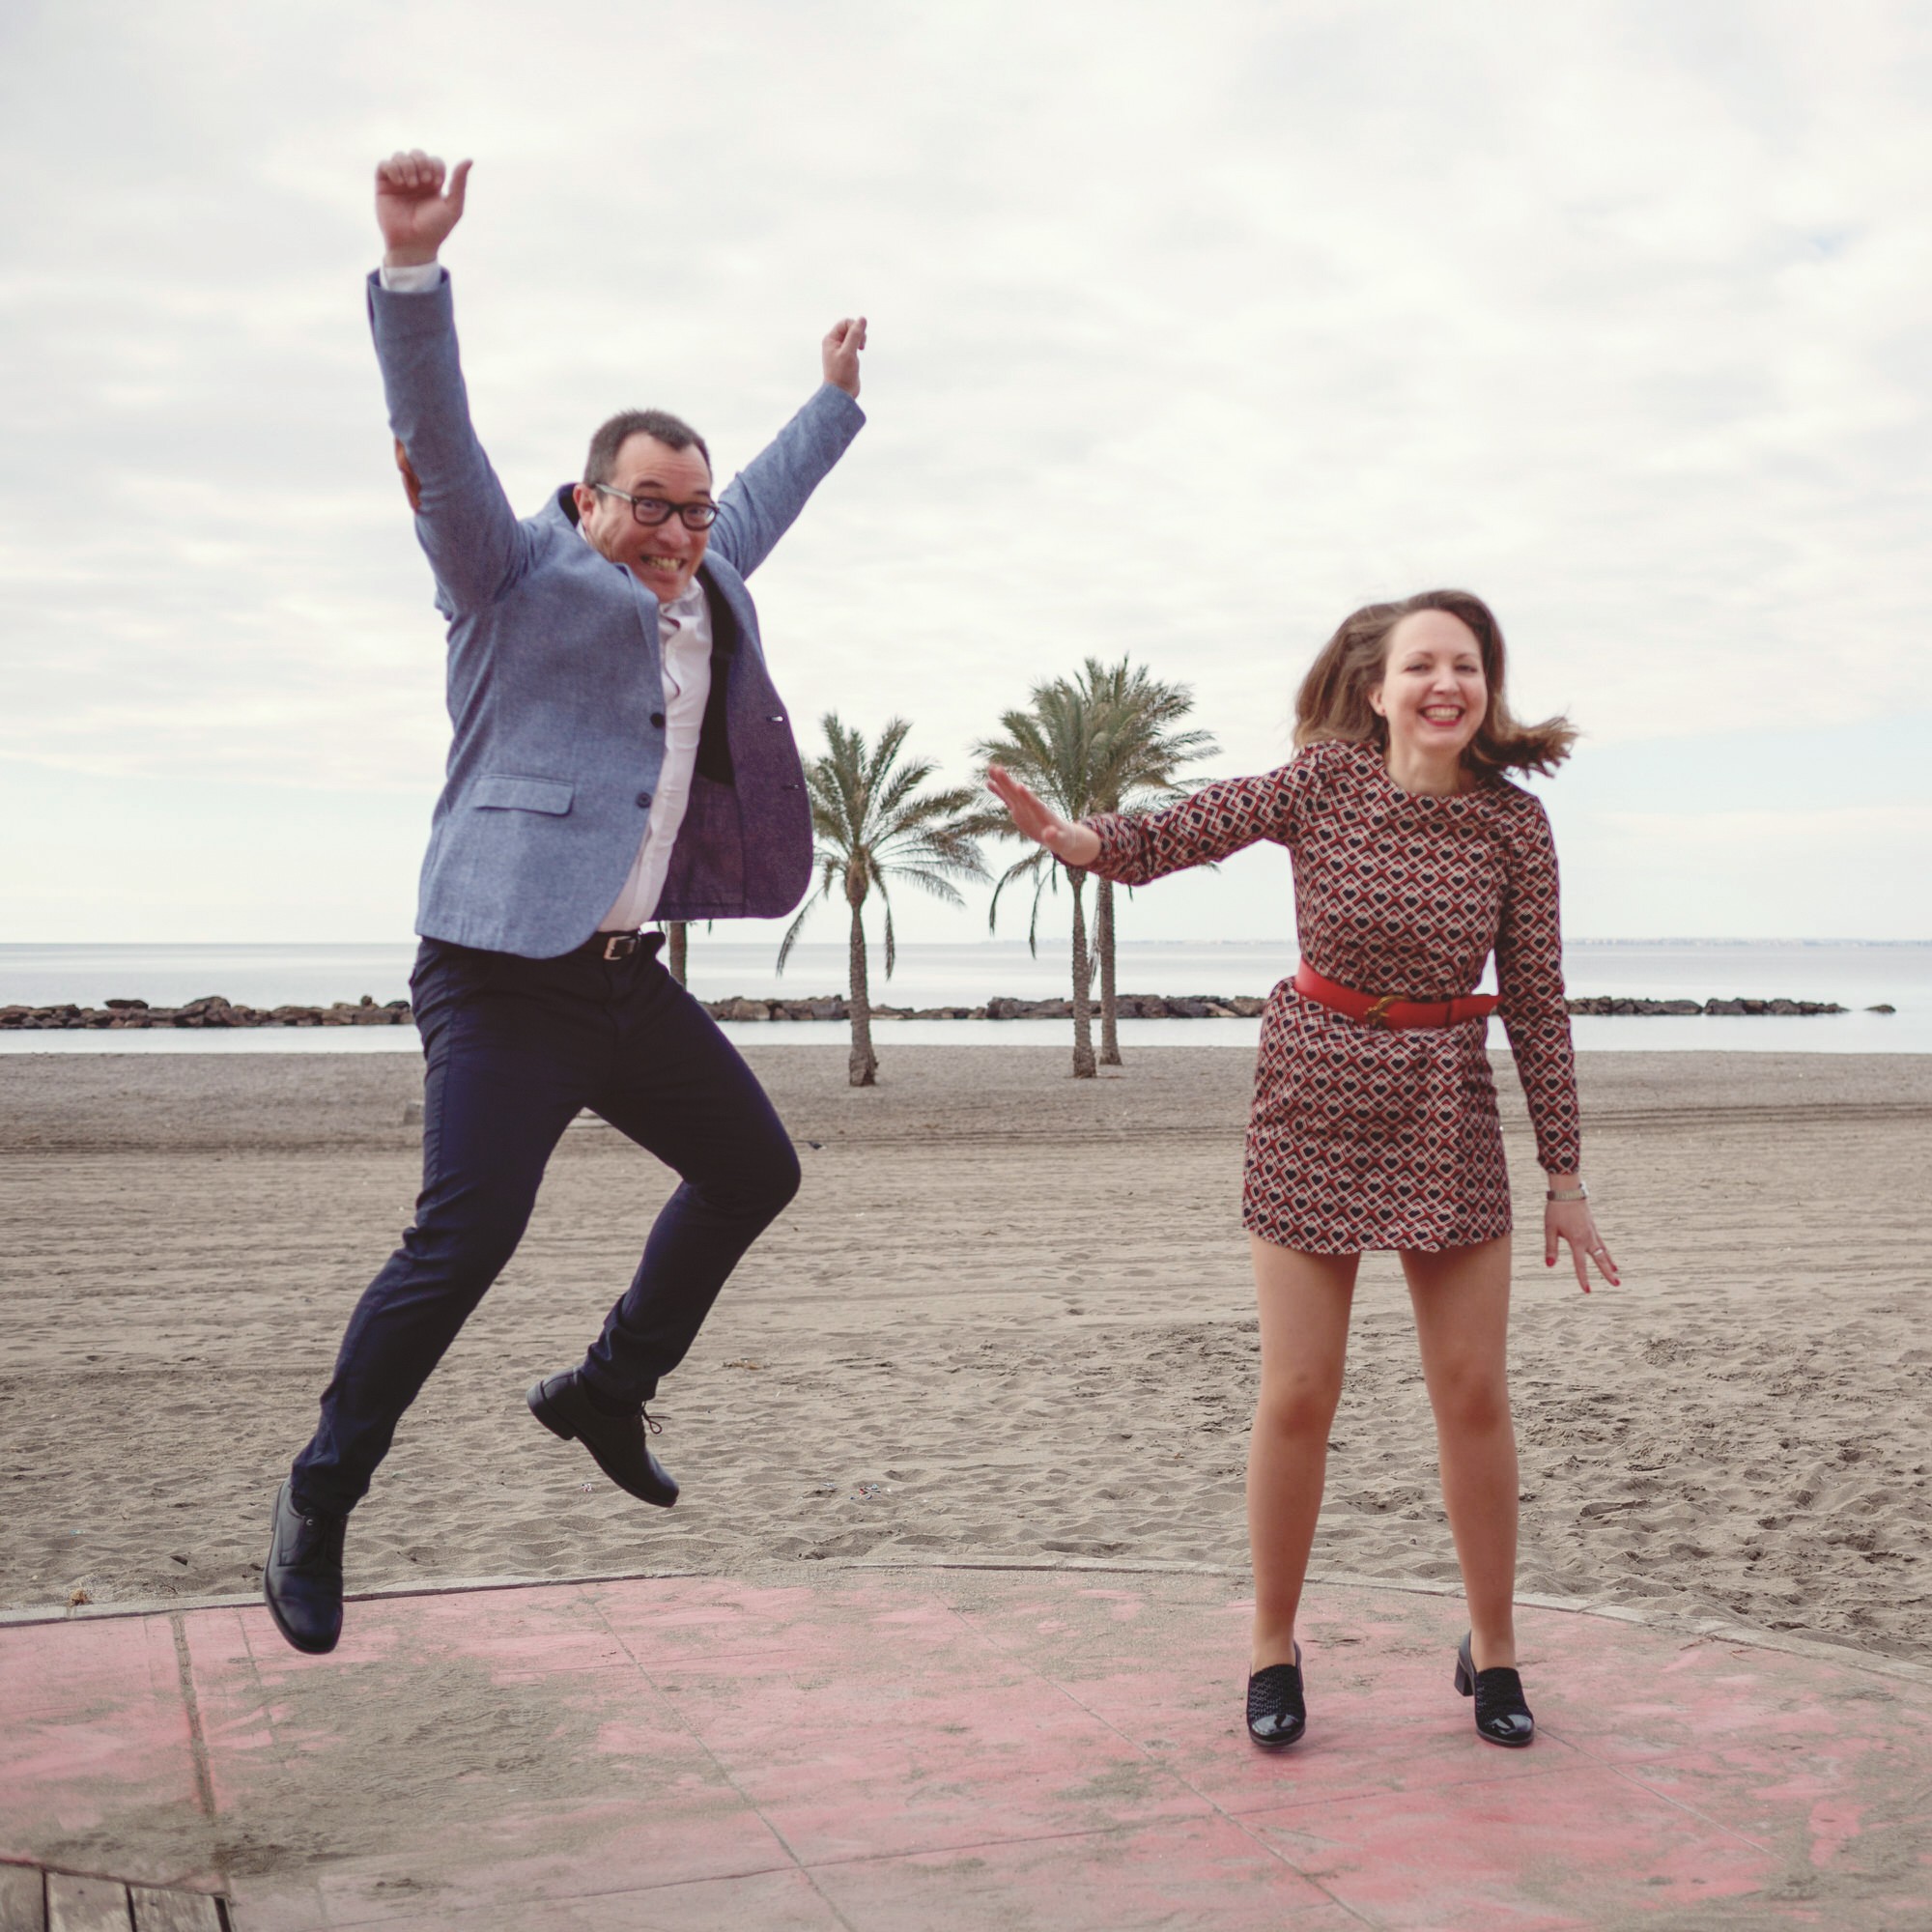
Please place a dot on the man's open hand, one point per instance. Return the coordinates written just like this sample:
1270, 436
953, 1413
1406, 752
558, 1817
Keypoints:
414, 212
840, 349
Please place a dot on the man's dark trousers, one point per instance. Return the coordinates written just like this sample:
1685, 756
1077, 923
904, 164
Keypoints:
514, 1048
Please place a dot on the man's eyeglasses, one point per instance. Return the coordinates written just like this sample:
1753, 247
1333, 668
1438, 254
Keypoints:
654, 511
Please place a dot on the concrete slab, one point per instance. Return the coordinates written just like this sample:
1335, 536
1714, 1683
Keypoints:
956, 1748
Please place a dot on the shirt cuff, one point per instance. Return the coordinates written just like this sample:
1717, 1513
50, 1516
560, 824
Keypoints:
410, 278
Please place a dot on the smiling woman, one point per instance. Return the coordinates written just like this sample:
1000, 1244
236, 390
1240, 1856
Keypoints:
1375, 1121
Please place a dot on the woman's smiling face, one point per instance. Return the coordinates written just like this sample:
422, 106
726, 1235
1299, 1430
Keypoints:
1433, 695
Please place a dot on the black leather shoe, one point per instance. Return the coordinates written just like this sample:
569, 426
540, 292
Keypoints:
1502, 1715
1277, 1712
302, 1581
616, 1443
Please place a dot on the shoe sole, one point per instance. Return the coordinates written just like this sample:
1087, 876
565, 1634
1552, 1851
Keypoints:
539, 1407
1276, 1744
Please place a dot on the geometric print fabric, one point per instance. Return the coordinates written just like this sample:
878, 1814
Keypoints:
1362, 1137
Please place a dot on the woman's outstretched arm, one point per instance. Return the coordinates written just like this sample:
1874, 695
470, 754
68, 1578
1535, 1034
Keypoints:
1209, 824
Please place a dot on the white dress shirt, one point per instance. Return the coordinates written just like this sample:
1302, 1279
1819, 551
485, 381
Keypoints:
684, 629
684, 633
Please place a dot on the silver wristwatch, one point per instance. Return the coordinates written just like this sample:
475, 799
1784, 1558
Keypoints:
1581, 1192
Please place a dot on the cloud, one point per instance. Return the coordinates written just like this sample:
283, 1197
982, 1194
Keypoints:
1194, 327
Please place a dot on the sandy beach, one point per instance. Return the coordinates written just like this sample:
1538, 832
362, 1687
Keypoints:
1009, 1319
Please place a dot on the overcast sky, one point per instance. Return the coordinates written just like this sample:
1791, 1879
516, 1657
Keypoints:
1194, 325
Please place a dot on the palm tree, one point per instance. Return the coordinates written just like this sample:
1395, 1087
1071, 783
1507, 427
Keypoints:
678, 932
1136, 756
1052, 749
872, 823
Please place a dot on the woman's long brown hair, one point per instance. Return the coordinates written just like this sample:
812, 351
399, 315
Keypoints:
1333, 701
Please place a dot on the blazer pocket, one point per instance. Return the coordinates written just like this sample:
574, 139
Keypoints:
498, 791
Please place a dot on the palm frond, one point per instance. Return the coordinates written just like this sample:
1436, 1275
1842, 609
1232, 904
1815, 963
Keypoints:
874, 819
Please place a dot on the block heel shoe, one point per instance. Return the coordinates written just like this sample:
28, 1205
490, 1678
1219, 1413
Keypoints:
1277, 1715
1502, 1718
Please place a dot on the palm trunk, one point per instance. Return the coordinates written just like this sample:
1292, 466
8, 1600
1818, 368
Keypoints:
1103, 944
677, 950
1083, 982
862, 1068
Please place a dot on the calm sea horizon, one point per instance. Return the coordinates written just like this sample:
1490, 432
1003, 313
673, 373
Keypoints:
1856, 974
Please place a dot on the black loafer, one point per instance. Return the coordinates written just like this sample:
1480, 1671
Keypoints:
1502, 1715
616, 1443
1277, 1712
302, 1581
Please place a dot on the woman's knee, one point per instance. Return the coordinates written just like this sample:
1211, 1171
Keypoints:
1470, 1399
1298, 1405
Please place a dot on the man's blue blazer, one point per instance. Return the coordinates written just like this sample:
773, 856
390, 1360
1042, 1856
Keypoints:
556, 675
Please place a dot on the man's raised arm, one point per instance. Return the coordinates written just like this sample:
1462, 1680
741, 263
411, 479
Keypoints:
464, 520
765, 496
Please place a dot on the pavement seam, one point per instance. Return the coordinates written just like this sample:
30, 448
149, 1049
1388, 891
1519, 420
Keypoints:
1180, 1777
197, 1738
1710, 1628
278, 1744
1629, 1774
784, 1844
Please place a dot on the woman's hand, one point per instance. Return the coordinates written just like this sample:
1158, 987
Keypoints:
1572, 1221
1073, 844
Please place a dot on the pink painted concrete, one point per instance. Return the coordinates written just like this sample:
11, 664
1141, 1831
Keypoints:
956, 1748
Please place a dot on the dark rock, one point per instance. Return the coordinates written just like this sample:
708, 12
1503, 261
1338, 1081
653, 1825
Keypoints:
127, 1005
1870, 1009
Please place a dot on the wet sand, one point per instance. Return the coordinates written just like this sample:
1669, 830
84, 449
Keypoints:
1009, 1319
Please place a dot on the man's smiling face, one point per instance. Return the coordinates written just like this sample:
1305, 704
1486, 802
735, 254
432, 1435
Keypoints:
662, 559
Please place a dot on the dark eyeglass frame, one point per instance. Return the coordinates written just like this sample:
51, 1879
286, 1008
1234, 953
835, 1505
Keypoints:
693, 516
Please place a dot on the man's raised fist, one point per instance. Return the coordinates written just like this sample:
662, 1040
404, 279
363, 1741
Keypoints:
411, 209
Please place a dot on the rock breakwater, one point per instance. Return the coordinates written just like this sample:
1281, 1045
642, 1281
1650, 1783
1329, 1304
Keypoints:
214, 1012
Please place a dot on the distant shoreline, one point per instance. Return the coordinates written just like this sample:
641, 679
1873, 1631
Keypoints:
216, 1011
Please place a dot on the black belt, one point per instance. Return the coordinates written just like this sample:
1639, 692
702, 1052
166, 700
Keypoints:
618, 945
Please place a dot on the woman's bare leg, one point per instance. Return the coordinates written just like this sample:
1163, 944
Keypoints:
1461, 1319
1304, 1302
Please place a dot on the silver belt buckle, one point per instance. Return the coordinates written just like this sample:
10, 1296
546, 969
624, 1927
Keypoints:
620, 945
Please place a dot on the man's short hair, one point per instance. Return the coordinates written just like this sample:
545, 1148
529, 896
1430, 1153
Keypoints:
612, 436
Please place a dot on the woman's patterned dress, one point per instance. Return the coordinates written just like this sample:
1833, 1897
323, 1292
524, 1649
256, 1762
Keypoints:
1363, 1137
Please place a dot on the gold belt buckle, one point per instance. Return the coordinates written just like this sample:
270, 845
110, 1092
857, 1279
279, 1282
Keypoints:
1378, 1013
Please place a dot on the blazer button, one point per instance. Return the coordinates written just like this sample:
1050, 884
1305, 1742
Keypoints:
643, 798
658, 718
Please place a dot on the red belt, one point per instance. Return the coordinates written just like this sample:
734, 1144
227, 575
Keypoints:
1388, 1010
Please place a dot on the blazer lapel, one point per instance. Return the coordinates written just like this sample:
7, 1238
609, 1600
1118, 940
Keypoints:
714, 741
